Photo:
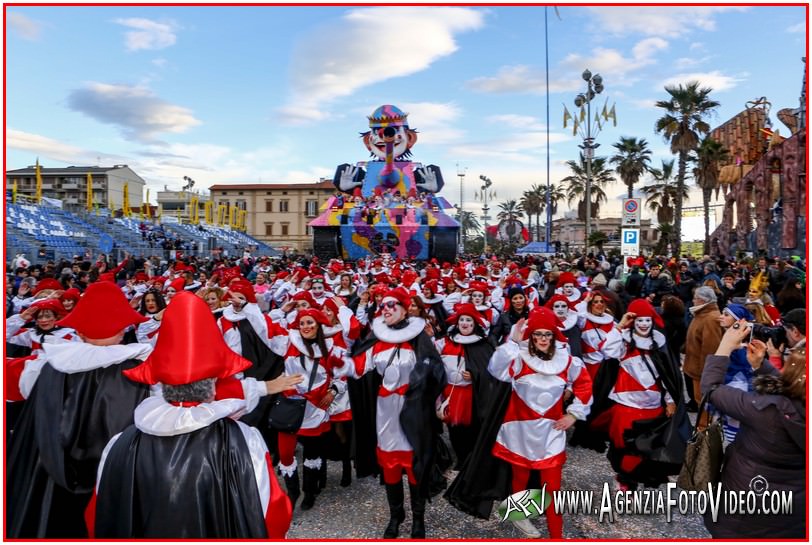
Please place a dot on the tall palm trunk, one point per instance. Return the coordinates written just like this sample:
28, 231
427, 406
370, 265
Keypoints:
631, 191
538, 225
677, 235
706, 195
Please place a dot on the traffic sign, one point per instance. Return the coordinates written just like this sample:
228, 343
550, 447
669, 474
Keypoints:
630, 242
631, 212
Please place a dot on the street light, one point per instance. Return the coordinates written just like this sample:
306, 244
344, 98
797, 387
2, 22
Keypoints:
594, 87
461, 174
485, 217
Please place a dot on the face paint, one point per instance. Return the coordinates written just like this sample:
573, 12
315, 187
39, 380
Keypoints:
466, 325
642, 326
477, 298
560, 309
568, 289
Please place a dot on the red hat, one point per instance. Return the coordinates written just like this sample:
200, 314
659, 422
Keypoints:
47, 284
107, 277
382, 278
467, 309
314, 313
543, 318
643, 309
378, 289
513, 267
400, 295
179, 267
524, 272
446, 265
72, 294
482, 270
329, 303
408, 278
361, 263
377, 263
177, 284
244, 287
315, 270
190, 347
281, 275
141, 277
336, 267
412, 193
566, 278
102, 312
479, 286
161, 280
305, 296
460, 270
357, 192
229, 274
555, 298
449, 283
432, 273
53, 305
432, 285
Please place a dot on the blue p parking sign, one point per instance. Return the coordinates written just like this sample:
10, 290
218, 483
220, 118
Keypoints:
630, 236
630, 242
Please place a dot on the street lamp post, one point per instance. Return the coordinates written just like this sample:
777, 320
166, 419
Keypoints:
594, 86
461, 174
485, 209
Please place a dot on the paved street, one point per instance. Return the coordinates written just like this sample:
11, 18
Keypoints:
360, 512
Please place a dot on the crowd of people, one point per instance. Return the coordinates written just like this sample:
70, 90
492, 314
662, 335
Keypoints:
151, 398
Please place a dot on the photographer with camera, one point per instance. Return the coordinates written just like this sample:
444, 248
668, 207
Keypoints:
790, 337
772, 441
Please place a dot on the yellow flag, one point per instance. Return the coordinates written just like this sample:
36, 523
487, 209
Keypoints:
598, 120
89, 192
567, 115
14, 192
125, 205
146, 203
583, 114
613, 116
159, 211
604, 113
38, 174
575, 125
110, 204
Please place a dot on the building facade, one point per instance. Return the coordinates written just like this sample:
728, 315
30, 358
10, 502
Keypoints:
277, 214
69, 185
570, 232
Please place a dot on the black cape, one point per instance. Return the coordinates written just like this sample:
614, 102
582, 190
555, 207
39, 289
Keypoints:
198, 485
57, 444
660, 441
417, 418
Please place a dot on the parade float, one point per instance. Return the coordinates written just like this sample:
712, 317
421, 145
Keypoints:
389, 204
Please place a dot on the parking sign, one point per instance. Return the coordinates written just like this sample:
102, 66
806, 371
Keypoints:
630, 242
631, 212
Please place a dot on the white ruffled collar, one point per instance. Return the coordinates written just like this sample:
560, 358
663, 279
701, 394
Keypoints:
395, 336
232, 316
332, 330
156, 416
483, 308
465, 339
546, 367
570, 321
433, 301
297, 341
604, 319
645, 343
574, 298
78, 357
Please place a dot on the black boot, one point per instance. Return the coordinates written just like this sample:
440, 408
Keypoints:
292, 486
394, 495
310, 486
322, 476
418, 510
346, 472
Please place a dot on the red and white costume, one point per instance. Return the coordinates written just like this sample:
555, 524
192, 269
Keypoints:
272, 334
600, 339
349, 330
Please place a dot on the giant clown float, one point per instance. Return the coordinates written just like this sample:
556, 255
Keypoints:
389, 204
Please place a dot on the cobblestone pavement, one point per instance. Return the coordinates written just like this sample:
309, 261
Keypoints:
360, 511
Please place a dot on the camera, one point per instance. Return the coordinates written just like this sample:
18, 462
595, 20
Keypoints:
776, 334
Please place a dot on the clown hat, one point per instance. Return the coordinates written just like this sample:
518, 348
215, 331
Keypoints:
643, 309
47, 284
306, 296
102, 312
400, 295
245, 288
566, 278
467, 309
177, 284
54, 305
543, 318
314, 313
72, 294
190, 347
479, 286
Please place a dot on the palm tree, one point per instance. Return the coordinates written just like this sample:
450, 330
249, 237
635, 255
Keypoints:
708, 157
530, 203
577, 184
557, 194
665, 230
682, 125
598, 238
631, 160
469, 224
661, 195
509, 210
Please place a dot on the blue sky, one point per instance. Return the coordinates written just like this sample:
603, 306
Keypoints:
279, 94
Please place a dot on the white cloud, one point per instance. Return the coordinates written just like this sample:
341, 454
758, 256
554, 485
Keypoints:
524, 148
800, 27
160, 62
697, 46
644, 103
48, 148
366, 47
689, 62
523, 79
517, 121
436, 121
148, 34
611, 63
664, 21
140, 114
715, 80
24, 26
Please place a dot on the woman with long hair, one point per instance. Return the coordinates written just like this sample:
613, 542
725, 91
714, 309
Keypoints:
308, 348
600, 340
790, 297
519, 309
151, 305
417, 309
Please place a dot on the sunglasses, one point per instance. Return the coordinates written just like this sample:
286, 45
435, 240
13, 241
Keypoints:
389, 304
542, 334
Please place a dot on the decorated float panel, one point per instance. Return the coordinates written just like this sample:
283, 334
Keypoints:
388, 204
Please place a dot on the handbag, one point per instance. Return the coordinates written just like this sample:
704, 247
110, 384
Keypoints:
287, 414
441, 407
704, 454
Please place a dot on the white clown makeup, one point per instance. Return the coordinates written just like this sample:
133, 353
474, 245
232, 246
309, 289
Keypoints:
393, 312
643, 325
478, 298
318, 289
466, 325
560, 309
568, 289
